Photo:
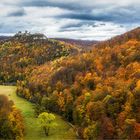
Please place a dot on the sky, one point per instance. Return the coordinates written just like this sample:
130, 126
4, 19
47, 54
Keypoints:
77, 19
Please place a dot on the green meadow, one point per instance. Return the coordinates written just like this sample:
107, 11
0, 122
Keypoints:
63, 130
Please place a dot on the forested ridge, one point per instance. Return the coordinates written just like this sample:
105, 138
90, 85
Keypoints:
23, 52
98, 91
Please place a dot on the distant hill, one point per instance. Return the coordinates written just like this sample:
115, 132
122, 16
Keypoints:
24, 50
83, 44
4, 37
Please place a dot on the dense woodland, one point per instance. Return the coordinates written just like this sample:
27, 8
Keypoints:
98, 91
22, 53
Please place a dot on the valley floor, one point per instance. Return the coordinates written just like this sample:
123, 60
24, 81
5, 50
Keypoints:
32, 130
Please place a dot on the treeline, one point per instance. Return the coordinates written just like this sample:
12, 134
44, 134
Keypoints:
11, 121
99, 92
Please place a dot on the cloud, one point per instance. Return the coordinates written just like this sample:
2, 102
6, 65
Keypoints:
47, 3
79, 25
70, 18
17, 13
45, 11
107, 14
85, 16
10, 2
97, 31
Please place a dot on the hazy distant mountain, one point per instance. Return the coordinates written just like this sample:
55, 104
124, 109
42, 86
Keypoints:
4, 37
84, 44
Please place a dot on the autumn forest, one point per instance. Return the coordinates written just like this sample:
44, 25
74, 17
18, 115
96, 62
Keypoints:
95, 90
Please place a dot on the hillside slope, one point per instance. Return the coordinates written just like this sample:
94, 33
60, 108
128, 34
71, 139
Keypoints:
23, 52
99, 92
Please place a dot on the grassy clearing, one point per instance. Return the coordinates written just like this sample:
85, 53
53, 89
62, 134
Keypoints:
32, 130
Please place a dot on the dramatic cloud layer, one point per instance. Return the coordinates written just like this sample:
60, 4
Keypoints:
80, 19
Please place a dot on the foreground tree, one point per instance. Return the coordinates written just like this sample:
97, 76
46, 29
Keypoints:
47, 121
11, 121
